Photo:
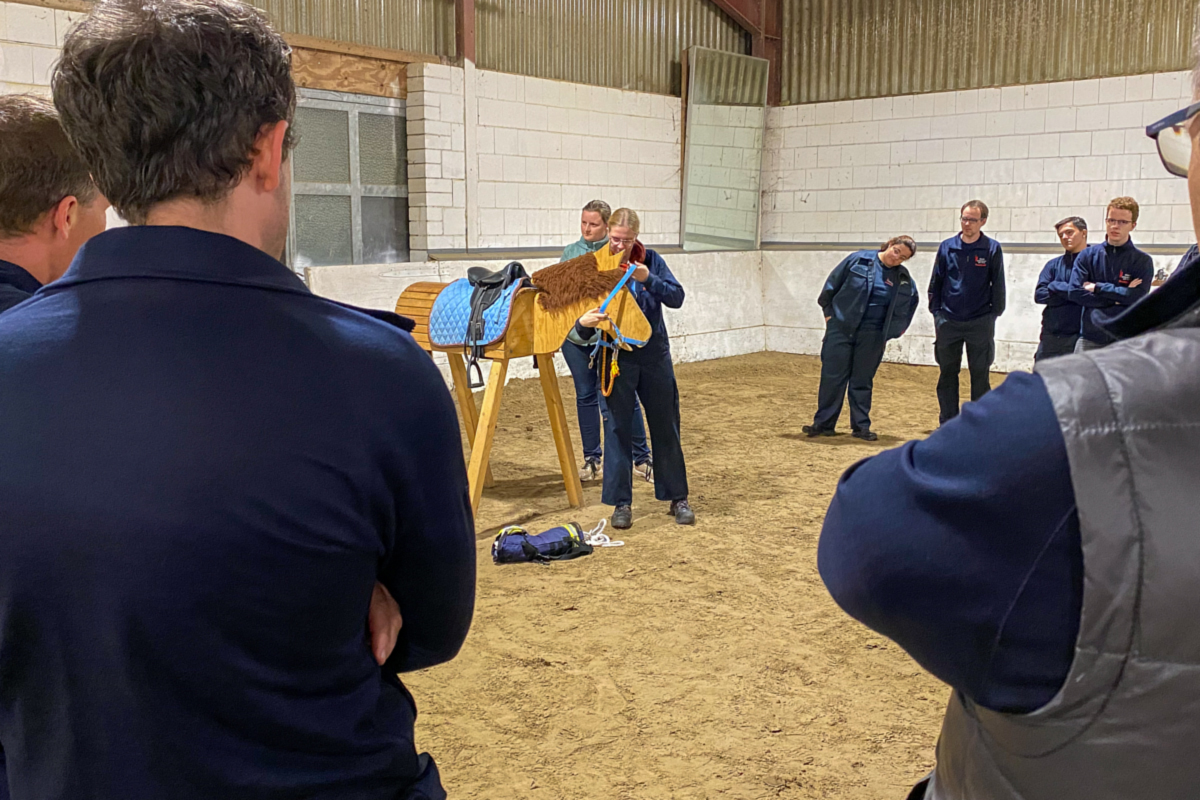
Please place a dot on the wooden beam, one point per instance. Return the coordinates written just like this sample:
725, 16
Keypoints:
767, 44
464, 29
466, 406
747, 13
560, 429
365, 51
337, 72
481, 452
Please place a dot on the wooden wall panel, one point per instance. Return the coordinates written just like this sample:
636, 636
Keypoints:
338, 72
83, 6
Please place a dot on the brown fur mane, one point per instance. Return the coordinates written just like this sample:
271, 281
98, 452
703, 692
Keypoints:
581, 278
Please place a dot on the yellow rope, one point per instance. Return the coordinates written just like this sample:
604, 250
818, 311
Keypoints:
606, 384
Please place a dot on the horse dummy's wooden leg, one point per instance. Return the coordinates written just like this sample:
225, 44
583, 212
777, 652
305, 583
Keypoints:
482, 449
559, 427
466, 406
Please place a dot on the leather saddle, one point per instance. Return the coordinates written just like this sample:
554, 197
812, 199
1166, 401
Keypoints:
474, 312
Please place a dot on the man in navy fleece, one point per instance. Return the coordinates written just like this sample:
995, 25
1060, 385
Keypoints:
230, 468
1062, 316
1108, 278
966, 295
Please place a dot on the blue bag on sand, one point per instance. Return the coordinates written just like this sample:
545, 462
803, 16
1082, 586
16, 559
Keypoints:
516, 545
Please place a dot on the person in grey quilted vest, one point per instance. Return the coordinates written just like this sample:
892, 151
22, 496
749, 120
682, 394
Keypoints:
1039, 554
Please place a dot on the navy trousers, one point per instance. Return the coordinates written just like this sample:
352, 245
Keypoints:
849, 361
646, 373
590, 407
979, 336
1051, 345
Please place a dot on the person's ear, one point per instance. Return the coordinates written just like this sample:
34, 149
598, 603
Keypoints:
64, 216
268, 155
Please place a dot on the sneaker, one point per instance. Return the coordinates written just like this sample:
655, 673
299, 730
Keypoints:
591, 470
683, 513
811, 431
644, 470
866, 436
622, 517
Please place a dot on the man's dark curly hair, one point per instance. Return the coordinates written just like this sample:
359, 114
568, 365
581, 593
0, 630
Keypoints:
165, 98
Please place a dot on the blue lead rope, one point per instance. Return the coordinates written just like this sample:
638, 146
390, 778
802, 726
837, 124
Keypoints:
619, 337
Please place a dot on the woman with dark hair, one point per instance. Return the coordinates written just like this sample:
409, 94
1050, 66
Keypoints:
646, 373
868, 299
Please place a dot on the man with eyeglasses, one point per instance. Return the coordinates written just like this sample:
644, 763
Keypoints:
1062, 316
971, 549
1108, 278
966, 295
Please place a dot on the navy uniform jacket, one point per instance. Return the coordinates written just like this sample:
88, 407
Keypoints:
16, 285
967, 553
968, 279
847, 292
204, 468
1112, 269
660, 289
1062, 315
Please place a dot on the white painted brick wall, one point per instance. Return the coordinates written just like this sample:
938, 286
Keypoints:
542, 150
436, 126
867, 170
30, 38
547, 147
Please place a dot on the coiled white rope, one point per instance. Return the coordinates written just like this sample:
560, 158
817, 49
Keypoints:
596, 537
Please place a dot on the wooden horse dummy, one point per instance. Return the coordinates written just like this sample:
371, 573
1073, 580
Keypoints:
538, 319
569, 289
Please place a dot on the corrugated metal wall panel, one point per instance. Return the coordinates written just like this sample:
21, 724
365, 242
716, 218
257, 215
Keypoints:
845, 49
422, 26
721, 78
627, 44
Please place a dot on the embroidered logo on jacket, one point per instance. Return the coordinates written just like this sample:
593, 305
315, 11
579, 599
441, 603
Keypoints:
981, 261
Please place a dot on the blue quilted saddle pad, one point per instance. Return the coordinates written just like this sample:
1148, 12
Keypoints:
452, 311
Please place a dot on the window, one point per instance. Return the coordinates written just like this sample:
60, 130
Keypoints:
349, 181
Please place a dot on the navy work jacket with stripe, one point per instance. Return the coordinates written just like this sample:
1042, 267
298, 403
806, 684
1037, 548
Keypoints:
204, 469
847, 292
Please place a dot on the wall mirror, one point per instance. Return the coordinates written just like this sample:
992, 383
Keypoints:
726, 114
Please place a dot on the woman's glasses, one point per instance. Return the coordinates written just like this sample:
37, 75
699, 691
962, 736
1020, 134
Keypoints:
1174, 139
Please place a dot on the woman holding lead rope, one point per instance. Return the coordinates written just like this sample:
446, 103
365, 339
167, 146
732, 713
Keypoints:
644, 372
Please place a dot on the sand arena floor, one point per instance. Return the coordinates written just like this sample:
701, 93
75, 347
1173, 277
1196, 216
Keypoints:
692, 663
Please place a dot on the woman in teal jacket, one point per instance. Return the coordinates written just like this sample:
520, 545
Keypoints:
868, 299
